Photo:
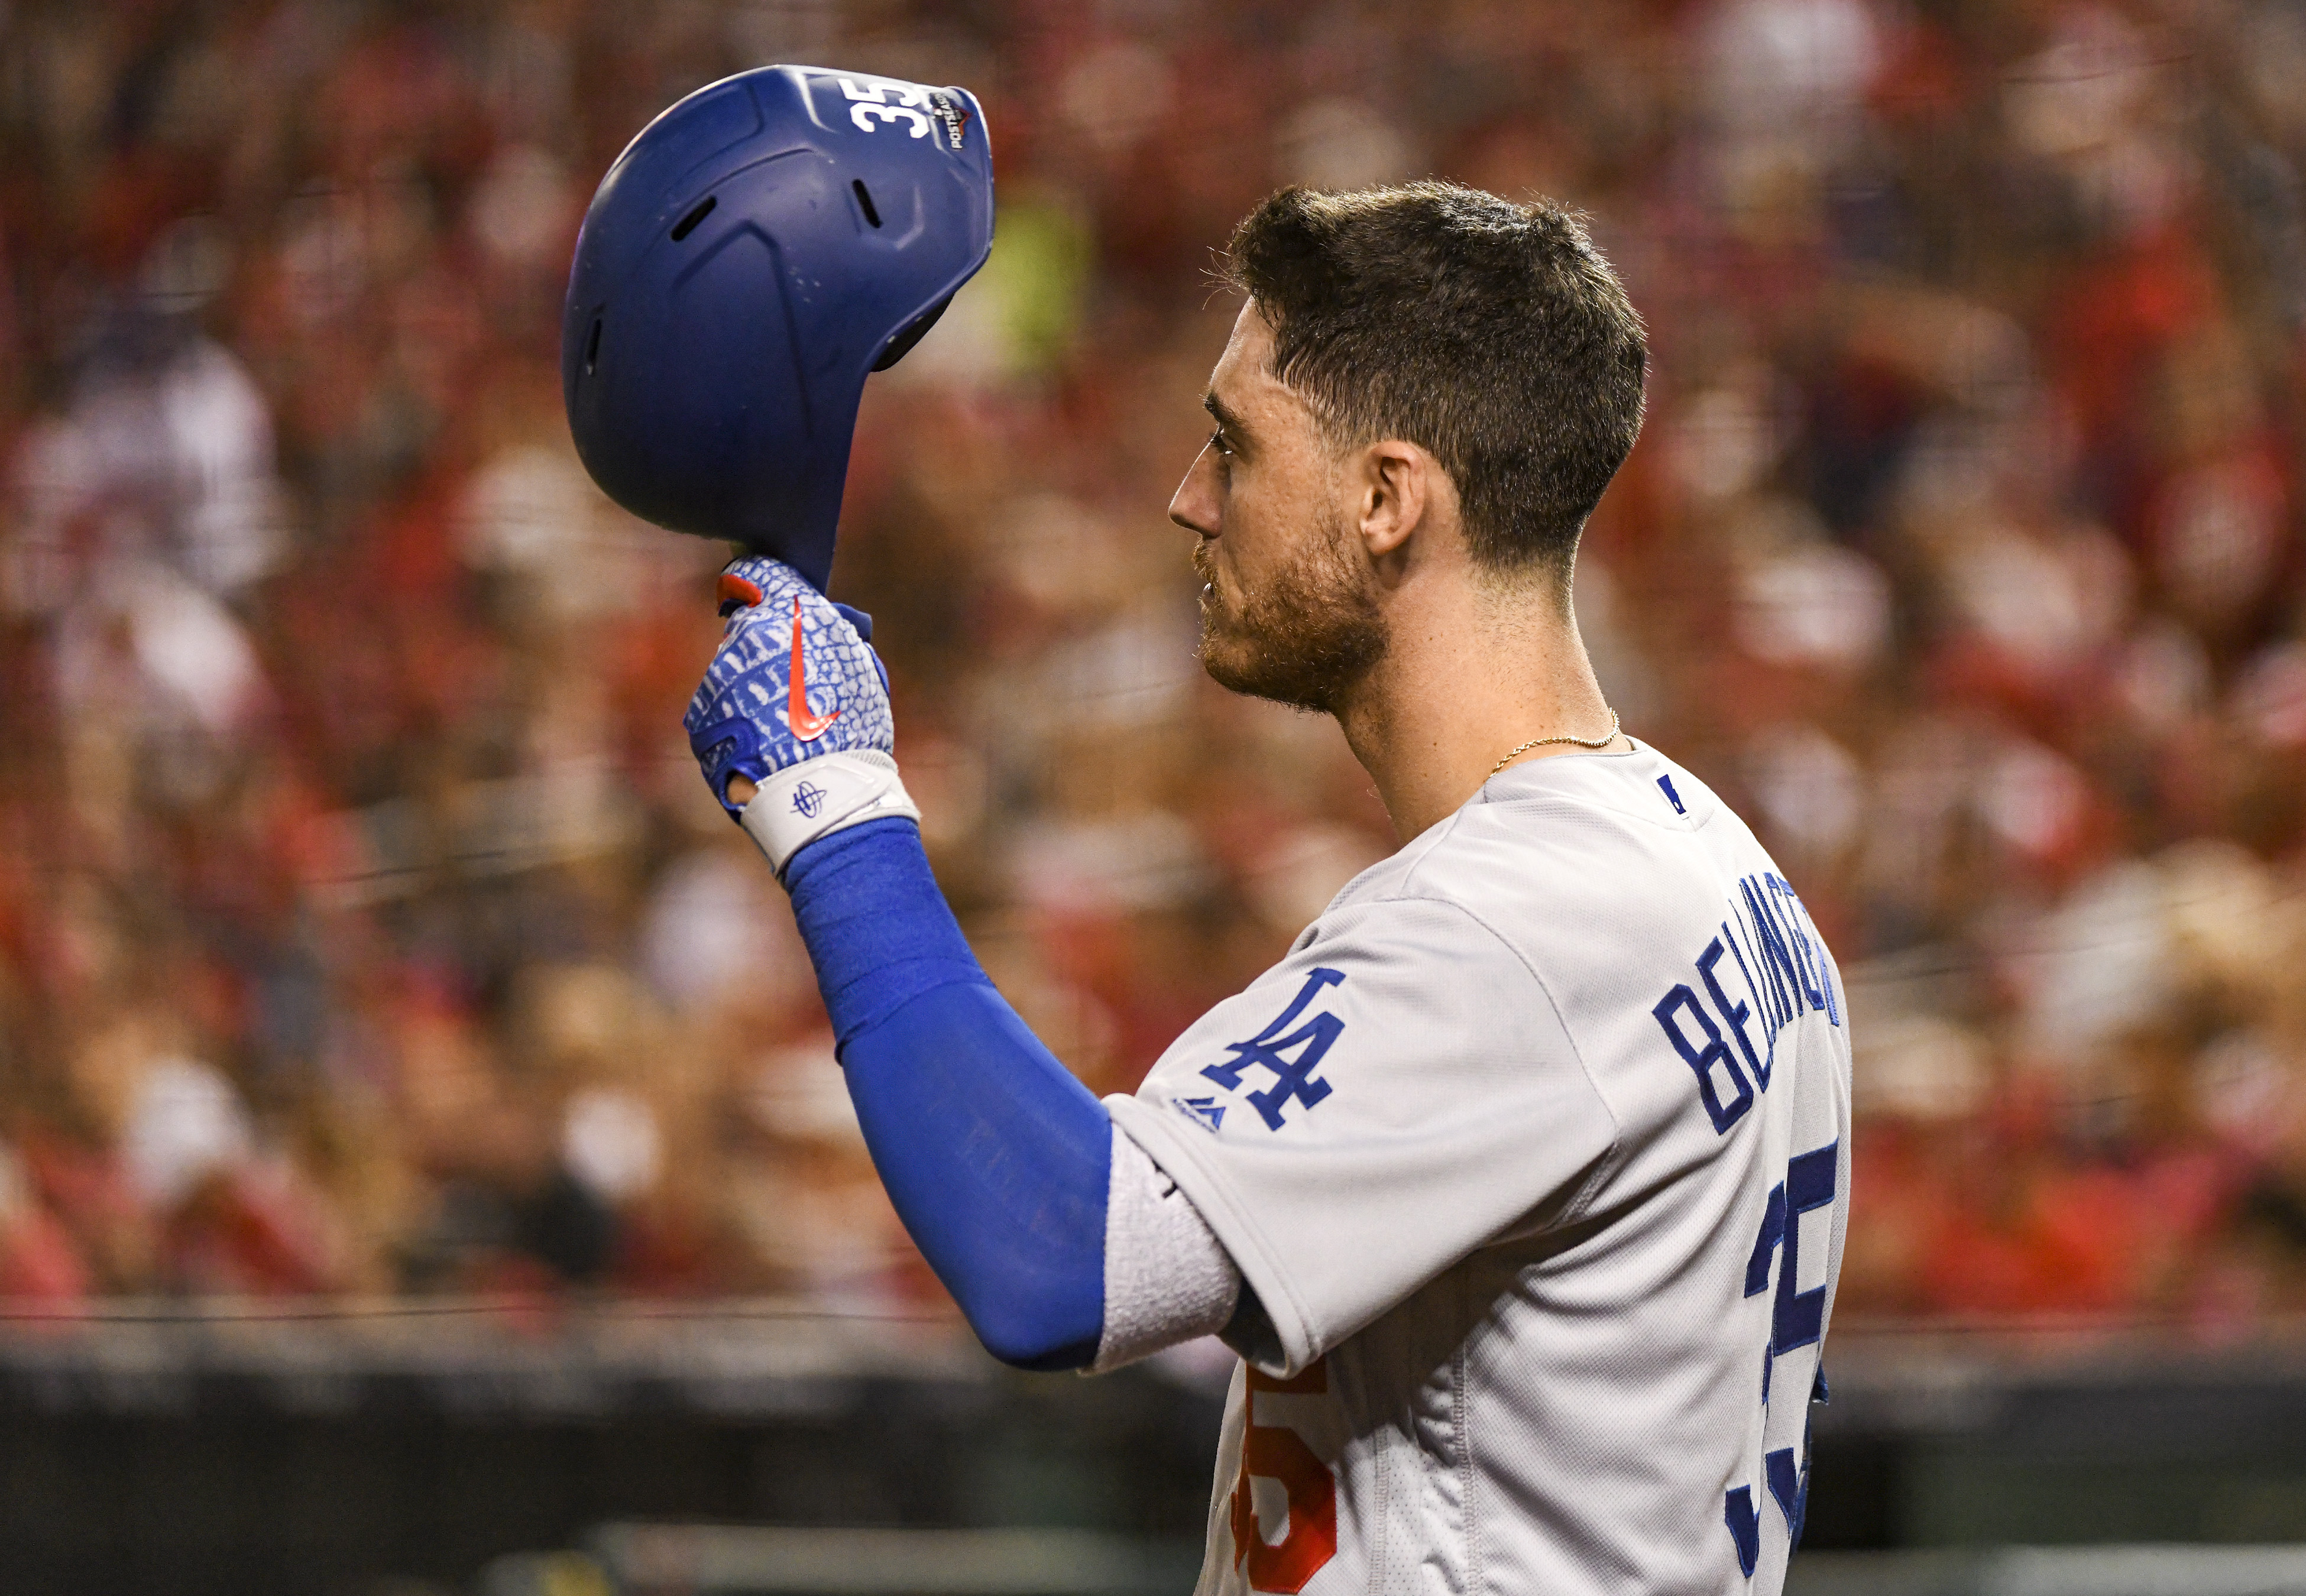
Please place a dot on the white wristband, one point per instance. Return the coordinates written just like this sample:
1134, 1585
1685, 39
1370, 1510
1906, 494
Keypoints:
829, 793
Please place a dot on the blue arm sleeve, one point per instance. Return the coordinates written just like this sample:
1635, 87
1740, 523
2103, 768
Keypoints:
997, 1158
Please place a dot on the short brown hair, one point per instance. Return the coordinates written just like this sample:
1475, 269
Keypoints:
1492, 335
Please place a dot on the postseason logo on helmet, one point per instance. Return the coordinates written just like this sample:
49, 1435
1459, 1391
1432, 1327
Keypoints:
949, 115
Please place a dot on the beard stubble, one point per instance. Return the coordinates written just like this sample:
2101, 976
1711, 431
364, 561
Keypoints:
1306, 637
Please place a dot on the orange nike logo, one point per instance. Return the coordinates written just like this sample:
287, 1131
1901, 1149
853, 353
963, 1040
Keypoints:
806, 724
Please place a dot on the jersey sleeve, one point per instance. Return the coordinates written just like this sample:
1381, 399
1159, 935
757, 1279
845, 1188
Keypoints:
1397, 1092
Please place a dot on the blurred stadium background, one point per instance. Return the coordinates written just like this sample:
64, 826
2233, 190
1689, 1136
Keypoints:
420, 1149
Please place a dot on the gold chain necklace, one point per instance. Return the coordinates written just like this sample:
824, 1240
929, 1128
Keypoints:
1602, 741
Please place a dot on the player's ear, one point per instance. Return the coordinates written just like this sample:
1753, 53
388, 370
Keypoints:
1394, 481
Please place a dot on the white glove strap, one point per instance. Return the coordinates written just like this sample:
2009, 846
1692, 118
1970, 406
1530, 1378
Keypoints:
817, 797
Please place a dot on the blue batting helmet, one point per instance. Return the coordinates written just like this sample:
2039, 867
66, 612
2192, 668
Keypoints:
753, 255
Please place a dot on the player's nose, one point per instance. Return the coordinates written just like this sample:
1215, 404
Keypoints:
1195, 505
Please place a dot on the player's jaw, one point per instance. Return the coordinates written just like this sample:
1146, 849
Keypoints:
1304, 632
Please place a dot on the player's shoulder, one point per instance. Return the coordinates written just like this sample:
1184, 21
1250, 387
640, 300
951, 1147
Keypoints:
1568, 863
1554, 828
1635, 786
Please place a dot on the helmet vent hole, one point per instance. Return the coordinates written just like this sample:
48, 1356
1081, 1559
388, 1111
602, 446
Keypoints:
688, 223
593, 347
865, 199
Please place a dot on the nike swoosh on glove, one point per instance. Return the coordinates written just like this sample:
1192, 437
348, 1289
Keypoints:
795, 702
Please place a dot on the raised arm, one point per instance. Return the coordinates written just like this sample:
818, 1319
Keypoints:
1000, 1165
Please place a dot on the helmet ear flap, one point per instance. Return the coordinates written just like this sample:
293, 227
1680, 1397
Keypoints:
915, 331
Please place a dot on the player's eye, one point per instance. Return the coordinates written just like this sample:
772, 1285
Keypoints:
1217, 443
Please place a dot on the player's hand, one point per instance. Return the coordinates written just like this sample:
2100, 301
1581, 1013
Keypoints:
796, 704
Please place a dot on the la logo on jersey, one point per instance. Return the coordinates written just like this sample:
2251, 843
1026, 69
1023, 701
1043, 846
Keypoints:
1271, 1050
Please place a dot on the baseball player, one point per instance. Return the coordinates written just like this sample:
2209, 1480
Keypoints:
1519, 1184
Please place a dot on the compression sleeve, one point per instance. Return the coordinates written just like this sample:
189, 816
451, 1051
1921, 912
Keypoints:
996, 1159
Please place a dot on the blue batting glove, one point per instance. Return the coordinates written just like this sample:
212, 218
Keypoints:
795, 702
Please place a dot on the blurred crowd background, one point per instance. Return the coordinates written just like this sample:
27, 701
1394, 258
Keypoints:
366, 928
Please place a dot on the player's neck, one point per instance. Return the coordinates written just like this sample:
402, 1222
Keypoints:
1469, 672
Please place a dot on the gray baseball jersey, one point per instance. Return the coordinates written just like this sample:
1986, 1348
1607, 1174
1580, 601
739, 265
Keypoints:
1535, 1152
